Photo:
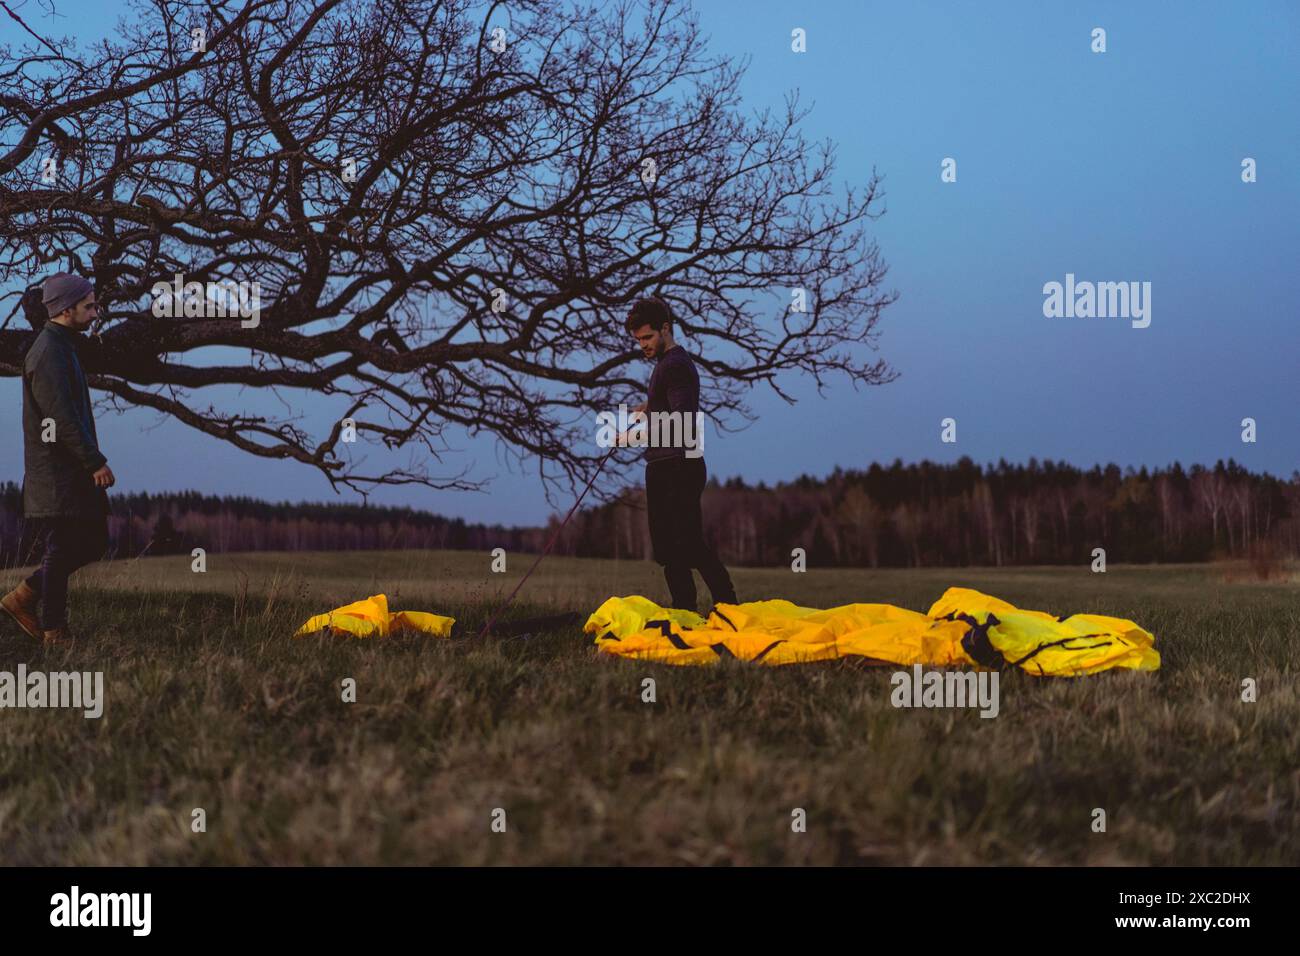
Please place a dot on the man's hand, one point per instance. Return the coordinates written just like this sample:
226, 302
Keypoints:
104, 477
624, 438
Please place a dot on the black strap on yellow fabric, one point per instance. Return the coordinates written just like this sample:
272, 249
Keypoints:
724, 618
666, 629
1061, 644
976, 643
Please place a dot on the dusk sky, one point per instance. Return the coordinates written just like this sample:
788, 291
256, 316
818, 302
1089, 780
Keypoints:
1123, 166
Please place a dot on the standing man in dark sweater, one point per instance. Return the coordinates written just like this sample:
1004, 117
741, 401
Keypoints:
675, 480
65, 474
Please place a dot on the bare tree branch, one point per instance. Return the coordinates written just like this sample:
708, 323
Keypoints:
446, 222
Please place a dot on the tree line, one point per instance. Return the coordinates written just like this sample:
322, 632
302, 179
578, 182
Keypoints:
936, 515
915, 515
178, 522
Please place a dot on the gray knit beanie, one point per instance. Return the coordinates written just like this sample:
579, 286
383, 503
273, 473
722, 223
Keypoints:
64, 290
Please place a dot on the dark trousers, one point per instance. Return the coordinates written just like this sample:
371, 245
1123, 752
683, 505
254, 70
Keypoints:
672, 490
70, 543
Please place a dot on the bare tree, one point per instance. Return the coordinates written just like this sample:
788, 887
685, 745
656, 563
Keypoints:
1211, 493
446, 206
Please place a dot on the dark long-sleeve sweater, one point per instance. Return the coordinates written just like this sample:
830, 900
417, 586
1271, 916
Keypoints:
674, 387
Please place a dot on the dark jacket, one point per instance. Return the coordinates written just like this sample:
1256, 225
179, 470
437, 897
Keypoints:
57, 476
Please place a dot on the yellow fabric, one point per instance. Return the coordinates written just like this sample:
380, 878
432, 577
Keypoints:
963, 628
371, 618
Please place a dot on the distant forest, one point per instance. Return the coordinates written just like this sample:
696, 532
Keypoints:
918, 515
931, 515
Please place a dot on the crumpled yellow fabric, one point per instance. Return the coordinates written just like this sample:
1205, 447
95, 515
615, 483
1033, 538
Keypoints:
964, 628
371, 618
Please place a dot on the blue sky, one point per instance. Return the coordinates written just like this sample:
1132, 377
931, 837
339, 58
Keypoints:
1118, 166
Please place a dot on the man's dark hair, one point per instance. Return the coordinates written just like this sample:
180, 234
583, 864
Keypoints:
652, 312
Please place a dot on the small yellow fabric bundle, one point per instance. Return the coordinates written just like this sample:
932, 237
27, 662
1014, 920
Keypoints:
371, 618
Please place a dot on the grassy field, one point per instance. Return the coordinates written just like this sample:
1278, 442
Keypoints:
211, 704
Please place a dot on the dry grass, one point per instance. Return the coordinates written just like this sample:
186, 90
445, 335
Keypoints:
210, 704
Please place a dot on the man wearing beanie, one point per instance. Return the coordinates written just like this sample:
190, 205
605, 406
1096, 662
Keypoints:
65, 474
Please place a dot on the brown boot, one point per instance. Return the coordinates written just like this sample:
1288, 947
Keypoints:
20, 604
57, 635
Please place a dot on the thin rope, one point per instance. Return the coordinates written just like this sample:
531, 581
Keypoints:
549, 544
